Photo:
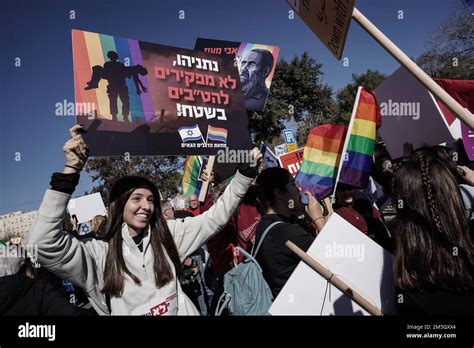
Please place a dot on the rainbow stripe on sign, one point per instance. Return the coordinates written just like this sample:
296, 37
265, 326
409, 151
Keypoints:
216, 134
89, 50
357, 163
321, 158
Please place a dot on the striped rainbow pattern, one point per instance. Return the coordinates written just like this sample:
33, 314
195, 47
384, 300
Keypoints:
357, 163
90, 49
216, 134
190, 183
321, 158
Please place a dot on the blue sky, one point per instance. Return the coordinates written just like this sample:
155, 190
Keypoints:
39, 32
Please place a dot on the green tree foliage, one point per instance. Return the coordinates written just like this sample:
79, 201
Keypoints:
346, 95
165, 172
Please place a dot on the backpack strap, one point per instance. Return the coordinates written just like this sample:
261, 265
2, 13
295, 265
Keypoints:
222, 305
263, 237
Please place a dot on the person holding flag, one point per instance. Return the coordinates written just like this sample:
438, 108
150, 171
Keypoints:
279, 199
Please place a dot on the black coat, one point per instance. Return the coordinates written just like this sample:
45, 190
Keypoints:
276, 260
21, 295
439, 302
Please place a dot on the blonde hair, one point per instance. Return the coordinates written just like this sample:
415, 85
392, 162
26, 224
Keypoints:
98, 221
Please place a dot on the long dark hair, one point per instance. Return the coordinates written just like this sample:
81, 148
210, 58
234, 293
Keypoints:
267, 182
433, 248
160, 237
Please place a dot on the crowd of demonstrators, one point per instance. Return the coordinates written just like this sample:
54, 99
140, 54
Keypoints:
171, 257
97, 231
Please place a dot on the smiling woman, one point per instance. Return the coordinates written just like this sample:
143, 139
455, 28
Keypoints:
135, 269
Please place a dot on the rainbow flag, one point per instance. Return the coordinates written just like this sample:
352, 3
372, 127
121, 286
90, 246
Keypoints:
216, 134
359, 145
192, 168
321, 158
90, 50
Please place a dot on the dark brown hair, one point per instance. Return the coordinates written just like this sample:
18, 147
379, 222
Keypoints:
268, 181
430, 224
160, 238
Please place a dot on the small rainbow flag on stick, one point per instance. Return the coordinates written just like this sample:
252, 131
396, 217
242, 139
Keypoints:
321, 158
216, 134
360, 143
191, 183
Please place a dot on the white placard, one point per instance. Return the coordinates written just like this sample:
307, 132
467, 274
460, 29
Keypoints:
356, 259
86, 207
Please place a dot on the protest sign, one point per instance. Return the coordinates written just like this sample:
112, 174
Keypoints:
150, 99
86, 207
354, 258
329, 20
256, 64
463, 92
292, 161
280, 150
410, 119
468, 141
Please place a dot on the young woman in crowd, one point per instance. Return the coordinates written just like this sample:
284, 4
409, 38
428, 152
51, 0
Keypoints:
279, 198
463, 175
134, 270
434, 250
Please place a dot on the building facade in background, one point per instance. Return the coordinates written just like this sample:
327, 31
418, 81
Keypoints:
16, 224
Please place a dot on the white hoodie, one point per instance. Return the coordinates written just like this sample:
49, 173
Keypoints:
84, 263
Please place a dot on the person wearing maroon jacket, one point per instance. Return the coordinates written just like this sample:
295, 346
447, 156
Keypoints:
361, 214
196, 207
240, 231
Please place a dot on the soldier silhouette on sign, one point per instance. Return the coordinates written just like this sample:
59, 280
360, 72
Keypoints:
115, 73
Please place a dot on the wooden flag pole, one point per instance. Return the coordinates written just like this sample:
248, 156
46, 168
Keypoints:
458, 110
328, 202
334, 280
205, 184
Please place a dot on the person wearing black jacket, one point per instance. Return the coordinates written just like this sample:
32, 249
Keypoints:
20, 294
280, 198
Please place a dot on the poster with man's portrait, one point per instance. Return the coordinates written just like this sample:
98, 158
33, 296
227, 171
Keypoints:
256, 64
